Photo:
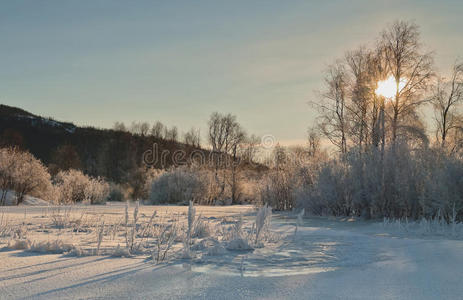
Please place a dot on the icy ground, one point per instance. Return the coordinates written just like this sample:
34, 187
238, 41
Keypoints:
326, 259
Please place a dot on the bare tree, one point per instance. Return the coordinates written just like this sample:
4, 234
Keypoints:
144, 128
238, 137
377, 70
64, 158
218, 131
157, 130
250, 148
119, 126
135, 128
410, 67
313, 139
225, 137
362, 67
171, 134
333, 121
192, 137
448, 95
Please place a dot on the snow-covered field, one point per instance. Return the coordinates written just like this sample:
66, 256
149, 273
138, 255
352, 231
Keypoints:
326, 259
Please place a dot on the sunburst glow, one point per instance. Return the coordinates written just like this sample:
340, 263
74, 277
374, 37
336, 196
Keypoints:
388, 87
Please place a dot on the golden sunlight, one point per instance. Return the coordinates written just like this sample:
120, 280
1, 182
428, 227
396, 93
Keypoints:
388, 87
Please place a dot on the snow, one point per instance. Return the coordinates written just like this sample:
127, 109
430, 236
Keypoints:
52, 123
327, 258
10, 199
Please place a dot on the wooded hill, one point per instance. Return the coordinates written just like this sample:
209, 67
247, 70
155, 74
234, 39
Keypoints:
113, 154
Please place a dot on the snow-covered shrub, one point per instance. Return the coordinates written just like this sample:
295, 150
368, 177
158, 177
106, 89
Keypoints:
212, 188
239, 244
97, 191
19, 244
165, 234
22, 173
241, 238
202, 228
99, 237
249, 188
294, 169
177, 186
331, 192
191, 220
131, 234
277, 189
6, 229
425, 227
72, 185
59, 221
399, 183
299, 220
120, 252
263, 221
443, 189
77, 187
216, 249
55, 247
196, 228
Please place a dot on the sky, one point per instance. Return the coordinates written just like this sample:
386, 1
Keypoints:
96, 62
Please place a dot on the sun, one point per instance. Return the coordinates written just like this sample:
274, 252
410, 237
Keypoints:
388, 88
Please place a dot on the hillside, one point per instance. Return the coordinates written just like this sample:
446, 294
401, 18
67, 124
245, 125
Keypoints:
98, 152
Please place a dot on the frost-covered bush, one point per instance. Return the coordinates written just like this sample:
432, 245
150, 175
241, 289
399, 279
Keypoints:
74, 187
263, 221
277, 189
424, 227
330, 193
56, 246
214, 192
292, 170
177, 186
165, 234
239, 244
22, 173
442, 195
401, 183
97, 191
237, 237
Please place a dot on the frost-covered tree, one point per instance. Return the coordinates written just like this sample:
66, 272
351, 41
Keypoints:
447, 100
22, 173
8, 158
333, 121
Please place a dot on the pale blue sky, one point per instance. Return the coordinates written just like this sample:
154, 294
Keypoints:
96, 62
